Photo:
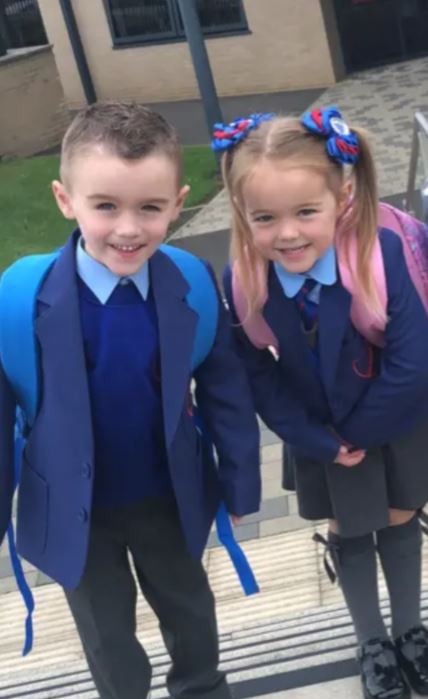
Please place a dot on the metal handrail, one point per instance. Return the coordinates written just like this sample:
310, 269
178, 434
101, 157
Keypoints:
420, 132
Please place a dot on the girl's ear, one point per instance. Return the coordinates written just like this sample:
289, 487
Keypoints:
345, 196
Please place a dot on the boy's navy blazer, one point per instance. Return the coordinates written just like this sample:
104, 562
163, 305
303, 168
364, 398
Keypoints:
55, 493
302, 399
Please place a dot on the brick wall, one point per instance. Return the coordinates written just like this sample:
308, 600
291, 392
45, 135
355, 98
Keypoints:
33, 115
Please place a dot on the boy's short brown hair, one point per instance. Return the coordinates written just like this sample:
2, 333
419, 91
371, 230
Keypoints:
128, 129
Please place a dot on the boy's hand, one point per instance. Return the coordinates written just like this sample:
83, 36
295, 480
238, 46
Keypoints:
349, 458
235, 520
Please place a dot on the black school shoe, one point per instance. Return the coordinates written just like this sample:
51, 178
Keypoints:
380, 674
412, 654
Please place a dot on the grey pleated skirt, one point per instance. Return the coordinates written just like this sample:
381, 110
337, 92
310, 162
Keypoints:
358, 498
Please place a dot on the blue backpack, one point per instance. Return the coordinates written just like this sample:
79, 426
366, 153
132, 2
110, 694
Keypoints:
19, 286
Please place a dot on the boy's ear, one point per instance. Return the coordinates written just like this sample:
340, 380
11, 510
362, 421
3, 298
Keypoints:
62, 199
181, 197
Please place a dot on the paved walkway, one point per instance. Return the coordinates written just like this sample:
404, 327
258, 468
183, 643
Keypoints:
382, 100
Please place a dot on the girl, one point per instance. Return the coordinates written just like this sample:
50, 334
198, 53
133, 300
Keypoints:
354, 415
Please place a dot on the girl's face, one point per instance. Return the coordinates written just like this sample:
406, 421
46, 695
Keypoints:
291, 214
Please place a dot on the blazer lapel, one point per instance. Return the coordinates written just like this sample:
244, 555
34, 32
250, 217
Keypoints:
58, 329
334, 312
177, 324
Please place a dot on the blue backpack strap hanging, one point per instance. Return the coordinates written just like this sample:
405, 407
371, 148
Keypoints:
18, 292
18, 571
202, 297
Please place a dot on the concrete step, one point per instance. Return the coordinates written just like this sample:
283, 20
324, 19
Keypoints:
285, 652
296, 633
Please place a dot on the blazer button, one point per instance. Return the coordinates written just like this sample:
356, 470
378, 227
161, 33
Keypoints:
86, 470
83, 515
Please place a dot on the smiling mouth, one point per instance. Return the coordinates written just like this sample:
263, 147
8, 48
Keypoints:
127, 248
294, 250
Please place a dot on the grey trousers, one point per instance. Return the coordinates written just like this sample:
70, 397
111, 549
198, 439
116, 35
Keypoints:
173, 583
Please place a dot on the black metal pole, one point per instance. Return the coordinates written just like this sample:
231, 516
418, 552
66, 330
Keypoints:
201, 63
78, 51
3, 48
4, 33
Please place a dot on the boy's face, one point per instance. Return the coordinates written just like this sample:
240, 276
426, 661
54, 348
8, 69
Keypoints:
123, 207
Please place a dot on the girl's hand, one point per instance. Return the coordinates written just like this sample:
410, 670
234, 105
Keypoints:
349, 458
235, 520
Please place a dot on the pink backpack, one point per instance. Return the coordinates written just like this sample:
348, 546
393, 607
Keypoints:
414, 236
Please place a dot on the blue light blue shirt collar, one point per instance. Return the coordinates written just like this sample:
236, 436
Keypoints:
101, 281
323, 271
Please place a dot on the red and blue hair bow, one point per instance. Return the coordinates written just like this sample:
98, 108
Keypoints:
227, 136
342, 143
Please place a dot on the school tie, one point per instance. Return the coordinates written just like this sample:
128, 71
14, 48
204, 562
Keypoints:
125, 293
308, 309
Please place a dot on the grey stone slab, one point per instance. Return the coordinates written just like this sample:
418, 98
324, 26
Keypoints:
5, 567
272, 452
271, 488
8, 584
272, 469
243, 532
268, 437
43, 579
270, 509
292, 504
283, 524
213, 540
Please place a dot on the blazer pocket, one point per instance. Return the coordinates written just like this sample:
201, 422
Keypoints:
33, 502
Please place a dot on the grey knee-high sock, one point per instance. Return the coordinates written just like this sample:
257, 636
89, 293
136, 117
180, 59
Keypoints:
399, 550
356, 570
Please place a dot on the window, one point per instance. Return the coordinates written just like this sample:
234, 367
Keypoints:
21, 24
151, 21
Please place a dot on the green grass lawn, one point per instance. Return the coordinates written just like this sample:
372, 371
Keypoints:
29, 219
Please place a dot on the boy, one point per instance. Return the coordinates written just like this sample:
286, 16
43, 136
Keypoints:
113, 463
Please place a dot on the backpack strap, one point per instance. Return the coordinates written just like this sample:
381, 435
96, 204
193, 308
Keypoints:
414, 236
369, 324
19, 285
256, 328
17, 568
203, 299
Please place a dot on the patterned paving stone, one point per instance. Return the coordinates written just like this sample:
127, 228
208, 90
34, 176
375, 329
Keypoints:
382, 100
